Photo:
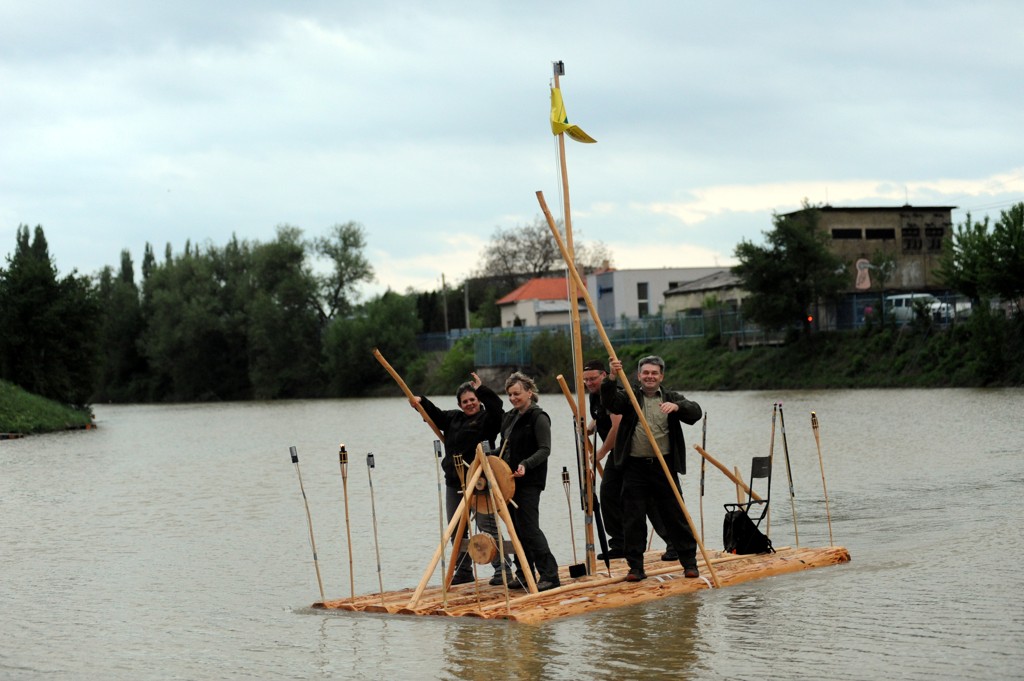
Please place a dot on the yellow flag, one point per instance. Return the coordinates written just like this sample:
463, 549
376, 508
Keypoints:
560, 121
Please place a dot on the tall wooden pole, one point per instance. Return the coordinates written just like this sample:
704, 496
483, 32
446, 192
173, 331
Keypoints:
577, 347
628, 388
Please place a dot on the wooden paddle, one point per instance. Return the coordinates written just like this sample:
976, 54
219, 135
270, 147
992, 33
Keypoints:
408, 393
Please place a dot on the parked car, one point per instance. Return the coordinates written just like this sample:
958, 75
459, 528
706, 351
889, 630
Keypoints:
902, 307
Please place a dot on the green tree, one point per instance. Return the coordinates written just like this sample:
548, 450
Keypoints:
343, 248
47, 325
523, 252
389, 323
1007, 249
283, 325
788, 276
193, 338
966, 258
122, 368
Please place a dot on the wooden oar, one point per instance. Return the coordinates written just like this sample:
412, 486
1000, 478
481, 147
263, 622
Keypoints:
408, 393
821, 463
571, 266
729, 474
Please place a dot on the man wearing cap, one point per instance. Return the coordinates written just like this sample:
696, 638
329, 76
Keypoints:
644, 483
607, 426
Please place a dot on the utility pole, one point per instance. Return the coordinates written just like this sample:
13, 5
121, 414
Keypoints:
444, 302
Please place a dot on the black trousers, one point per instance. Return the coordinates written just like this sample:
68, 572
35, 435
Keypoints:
611, 510
645, 489
526, 521
611, 505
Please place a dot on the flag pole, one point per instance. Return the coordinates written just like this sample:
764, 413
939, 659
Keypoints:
558, 69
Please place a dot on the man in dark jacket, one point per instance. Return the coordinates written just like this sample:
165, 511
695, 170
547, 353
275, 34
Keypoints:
644, 484
478, 419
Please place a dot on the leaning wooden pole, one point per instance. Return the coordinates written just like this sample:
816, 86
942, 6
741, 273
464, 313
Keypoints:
789, 475
408, 393
626, 386
729, 474
577, 354
821, 464
309, 519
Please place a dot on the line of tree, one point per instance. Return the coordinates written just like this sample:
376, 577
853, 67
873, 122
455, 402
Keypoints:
243, 321
246, 320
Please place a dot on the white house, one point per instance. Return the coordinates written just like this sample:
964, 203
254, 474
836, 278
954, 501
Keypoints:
637, 293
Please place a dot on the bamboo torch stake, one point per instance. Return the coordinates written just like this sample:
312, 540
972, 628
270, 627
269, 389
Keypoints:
309, 520
408, 393
572, 532
343, 462
626, 386
821, 463
789, 475
373, 514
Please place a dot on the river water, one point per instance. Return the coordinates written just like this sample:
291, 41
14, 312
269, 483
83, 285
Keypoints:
172, 542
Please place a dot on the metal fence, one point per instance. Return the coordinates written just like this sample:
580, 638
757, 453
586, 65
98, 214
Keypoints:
512, 346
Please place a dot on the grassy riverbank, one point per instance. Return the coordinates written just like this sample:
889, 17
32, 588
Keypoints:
23, 413
907, 357
983, 351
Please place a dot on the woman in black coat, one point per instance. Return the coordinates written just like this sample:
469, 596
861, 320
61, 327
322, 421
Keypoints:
526, 445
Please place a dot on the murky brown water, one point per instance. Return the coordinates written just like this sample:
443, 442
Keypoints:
172, 543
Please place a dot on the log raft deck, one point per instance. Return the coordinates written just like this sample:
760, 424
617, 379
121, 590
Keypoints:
591, 592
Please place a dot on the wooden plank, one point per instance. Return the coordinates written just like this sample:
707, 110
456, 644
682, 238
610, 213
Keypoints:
592, 592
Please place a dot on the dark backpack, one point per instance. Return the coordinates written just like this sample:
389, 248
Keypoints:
741, 535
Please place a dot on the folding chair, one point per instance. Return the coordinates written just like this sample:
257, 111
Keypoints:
742, 533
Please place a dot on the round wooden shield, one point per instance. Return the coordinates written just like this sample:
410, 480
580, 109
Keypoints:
482, 549
506, 483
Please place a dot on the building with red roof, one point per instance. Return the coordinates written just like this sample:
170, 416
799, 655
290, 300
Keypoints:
539, 302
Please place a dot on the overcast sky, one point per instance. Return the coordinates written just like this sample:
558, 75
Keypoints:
127, 122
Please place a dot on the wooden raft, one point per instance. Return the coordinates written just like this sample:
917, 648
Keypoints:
589, 593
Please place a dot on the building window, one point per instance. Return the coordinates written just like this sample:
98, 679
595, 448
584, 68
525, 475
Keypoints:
884, 234
643, 299
846, 234
911, 237
934, 236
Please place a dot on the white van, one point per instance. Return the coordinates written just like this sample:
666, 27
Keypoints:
901, 307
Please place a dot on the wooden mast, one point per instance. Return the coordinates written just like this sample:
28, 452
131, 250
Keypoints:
577, 349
